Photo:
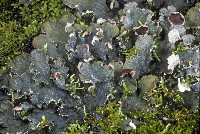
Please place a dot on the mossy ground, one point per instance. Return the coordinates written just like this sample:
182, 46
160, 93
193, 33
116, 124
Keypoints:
19, 23
164, 118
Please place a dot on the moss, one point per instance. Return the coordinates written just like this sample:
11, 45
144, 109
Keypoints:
76, 129
169, 116
12, 96
127, 91
82, 22
23, 113
180, 48
130, 52
189, 80
74, 84
9, 41
151, 123
156, 39
21, 22
125, 34
43, 124
7, 11
113, 118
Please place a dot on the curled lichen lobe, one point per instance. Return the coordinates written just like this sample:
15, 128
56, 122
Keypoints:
127, 71
58, 75
110, 66
80, 65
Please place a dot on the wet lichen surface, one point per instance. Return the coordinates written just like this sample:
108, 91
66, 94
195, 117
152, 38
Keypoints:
105, 66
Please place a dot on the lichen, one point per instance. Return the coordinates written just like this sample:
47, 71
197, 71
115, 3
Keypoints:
193, 17
104, 71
